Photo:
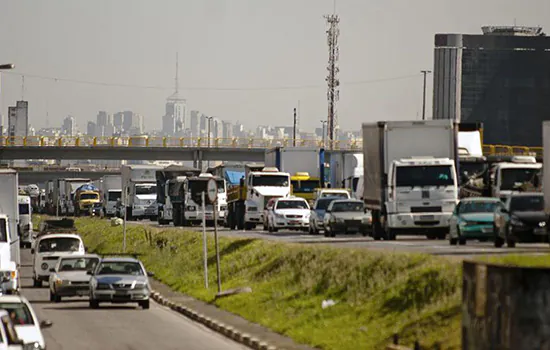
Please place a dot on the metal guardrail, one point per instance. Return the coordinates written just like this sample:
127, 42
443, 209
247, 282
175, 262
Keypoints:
182, 142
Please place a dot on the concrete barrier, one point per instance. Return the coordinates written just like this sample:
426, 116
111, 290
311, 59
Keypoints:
505, 307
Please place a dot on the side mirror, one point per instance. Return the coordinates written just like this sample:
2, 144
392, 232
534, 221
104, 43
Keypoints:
46, 324
150, 274
90, 272
52, 269
32, 250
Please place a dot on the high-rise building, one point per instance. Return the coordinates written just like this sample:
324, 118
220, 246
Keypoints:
18, 119
128, 121
500, 78
118, 122
195, 123
69, 126
91, 129
227, 130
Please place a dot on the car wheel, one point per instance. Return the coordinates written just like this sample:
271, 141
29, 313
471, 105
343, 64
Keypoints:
453, 241
144, 304
510, 243
94, 304
36, 283
499, 242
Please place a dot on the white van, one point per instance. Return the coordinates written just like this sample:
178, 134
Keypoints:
48, 249
24, 226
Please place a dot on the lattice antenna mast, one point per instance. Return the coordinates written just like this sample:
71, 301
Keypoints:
333, 94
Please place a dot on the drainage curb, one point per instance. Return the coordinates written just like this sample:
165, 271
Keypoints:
214, 325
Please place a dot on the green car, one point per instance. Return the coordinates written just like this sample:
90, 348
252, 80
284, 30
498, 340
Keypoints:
473, 218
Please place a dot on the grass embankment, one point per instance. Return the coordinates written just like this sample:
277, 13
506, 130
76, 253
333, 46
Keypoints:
377, 294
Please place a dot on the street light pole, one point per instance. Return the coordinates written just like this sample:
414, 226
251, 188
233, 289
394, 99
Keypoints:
425, 72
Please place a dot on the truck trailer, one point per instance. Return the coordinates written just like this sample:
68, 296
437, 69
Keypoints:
10, 258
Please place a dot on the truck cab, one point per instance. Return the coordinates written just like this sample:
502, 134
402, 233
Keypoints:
24, 226
8, 268
304, 185
193, 188
85, 198
422, 193
507, 177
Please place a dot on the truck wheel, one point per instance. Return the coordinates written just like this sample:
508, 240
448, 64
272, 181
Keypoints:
249, 226
36, 283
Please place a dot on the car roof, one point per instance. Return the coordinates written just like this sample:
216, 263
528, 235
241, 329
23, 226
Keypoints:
343, 200
120, 259
12, 299
80, 256
291, 199
59, 235
527, 194
480, 199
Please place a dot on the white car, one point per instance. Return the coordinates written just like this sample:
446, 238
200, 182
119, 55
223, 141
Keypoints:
27, 326
288, 213
48, 249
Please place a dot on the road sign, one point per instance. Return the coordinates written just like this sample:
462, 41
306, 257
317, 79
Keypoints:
212, 190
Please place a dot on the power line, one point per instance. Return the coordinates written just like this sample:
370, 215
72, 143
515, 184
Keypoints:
156, 87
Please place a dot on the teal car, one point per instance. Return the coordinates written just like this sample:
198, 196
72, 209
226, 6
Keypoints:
473, 218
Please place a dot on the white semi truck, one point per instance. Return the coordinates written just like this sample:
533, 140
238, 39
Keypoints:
10, 258
410, 180
139, 191
111, 190
191, 207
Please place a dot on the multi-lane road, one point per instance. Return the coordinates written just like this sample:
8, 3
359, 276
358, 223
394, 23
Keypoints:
76, 326
412, 244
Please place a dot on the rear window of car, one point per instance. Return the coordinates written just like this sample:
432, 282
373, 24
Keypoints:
18, 312
59, 244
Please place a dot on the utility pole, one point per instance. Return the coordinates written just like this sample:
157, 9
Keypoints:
333, 94
294, 130
425, 73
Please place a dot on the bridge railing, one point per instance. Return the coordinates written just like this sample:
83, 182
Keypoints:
205, 142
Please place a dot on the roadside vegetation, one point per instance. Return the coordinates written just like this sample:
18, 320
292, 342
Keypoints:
375, 294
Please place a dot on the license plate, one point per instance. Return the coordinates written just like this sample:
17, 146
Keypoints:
426, 217
121, 292
294, 222
540, 231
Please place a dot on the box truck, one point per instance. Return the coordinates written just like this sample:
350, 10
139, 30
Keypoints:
111, 190
10, 258
139, 191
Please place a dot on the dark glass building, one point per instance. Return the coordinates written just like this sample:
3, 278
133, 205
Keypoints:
500, 78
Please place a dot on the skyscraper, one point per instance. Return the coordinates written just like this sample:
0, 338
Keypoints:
195, 124
176, 106
18, 119
500, 78
69, 126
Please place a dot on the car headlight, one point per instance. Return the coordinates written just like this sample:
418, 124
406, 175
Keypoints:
32, 346
515, 221
103, 286
140, 285
191, 208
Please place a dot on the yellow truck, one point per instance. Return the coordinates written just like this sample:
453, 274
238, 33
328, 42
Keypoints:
304, 186
85, 197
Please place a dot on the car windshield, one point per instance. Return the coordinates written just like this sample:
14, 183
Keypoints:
114, 196
477, 207
348, 206
510, 178
78, 264
292, 205
59, 244
89, 196
322, 204
24, 209
527, 203
270, 180
146, 189
120, 268
19, 313
433, 175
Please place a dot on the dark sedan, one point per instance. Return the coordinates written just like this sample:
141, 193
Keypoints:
522, 219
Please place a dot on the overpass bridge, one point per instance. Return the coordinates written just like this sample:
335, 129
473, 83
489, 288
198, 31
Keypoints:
180, 149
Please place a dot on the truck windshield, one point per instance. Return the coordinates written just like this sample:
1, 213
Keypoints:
527, 203
513, 177
89, 196
270, 180
24, 209
146, 189
221, 186
114, 196
305, 186
3, 231
424, 175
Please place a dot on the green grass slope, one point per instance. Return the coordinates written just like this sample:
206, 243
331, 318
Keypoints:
376, 294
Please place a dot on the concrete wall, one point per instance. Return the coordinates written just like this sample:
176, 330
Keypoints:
505, 308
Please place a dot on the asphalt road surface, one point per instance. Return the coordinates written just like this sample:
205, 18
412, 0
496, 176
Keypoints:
413, 244
75, 326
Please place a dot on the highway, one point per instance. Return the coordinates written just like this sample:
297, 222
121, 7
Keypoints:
115, 326
411, 244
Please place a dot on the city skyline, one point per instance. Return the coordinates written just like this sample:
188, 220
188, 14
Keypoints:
261, 46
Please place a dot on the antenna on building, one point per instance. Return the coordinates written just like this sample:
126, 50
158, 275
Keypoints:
333, 94
177, 68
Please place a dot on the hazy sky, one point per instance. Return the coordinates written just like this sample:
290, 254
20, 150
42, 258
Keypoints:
234, 44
